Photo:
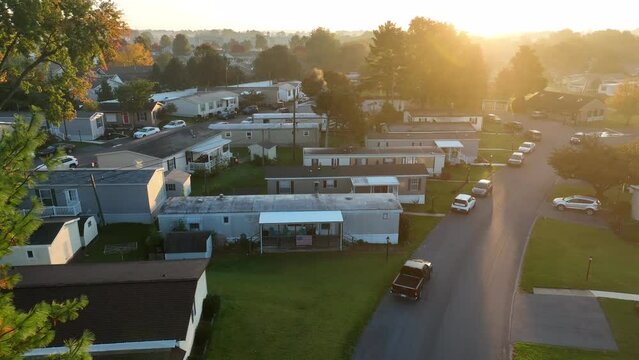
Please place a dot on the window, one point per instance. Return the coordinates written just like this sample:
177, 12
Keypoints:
389, 160
305, 133
362, 161
284, 187
314, 162
226, 219
249, 134
142, 116
330, 184
170, 187
99, 123
227, 134
47, 197
71, 195
29, 254
194, 226
385, 216
387, 144
226, 148
170, 164
202, 107
335, 162
415, 184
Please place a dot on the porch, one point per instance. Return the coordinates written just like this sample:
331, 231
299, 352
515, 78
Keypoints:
71, 209
452, 149
301, 230
208, 156
375, 184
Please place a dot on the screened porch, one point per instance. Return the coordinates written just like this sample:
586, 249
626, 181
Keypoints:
301, 230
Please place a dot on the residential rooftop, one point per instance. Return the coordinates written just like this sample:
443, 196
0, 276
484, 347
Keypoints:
298, 116
440, 113
432, 127
374, 152
279, 203
288, 172
208, 96
186, 242
423, 135
102, 176
47, 232
128, 301
168, 142
555, 101
259, 126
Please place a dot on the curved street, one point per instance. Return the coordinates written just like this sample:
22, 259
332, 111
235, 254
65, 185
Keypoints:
465, 312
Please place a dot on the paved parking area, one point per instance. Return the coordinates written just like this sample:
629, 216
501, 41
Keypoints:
572, 321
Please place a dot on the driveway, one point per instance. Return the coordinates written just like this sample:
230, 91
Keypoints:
573, 216
573, 321
467, 306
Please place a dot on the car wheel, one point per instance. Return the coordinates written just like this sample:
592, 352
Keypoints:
73, 166
590, 212
561, 207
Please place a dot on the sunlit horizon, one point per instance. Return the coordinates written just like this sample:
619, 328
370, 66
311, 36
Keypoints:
487, 18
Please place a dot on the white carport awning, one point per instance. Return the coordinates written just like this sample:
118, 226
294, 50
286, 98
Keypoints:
449, 144
374, 181
301, 217
210, 145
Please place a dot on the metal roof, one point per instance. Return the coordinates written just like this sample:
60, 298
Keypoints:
374, 181
278, 203
314, 172
301, 217
449, 144
260, 126
379, 152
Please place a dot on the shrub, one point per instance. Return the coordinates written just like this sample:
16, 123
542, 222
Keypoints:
180, 225
210, 307
202, 337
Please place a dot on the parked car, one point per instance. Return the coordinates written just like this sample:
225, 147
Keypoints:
463, 203
250, 110
175, 124
283, 109
527, 147
226, 115
64, 163
410, 281
533, 135
483, 188
246, 121
588, 204
516, 159
53, 148
494, 118
514, 126
537, 114
146, 131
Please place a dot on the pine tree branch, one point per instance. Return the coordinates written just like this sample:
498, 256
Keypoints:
5, 56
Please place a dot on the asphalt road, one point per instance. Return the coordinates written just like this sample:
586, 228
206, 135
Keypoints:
465, 312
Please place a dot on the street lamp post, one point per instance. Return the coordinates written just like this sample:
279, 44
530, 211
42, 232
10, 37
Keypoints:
588, 271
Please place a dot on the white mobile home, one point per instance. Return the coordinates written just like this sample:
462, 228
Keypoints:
205, 103
476, 120
287, 118
288, 222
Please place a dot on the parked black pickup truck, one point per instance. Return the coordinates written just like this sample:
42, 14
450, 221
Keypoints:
411, 278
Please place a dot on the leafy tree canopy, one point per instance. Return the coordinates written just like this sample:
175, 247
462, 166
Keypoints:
277, 63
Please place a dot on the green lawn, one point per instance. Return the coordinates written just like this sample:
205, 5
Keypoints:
470, 172
439, 196
239, 179
498, 156
500, 141
300, 305
624, 321
118, 234
557, 257
494, 127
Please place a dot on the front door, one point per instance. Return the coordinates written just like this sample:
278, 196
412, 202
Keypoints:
125, 118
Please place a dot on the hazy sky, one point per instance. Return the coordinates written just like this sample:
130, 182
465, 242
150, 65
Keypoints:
481, 17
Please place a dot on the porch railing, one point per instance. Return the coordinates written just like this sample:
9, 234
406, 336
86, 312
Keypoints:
288, 242
72, 209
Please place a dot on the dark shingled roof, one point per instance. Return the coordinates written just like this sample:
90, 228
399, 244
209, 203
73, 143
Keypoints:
113, 106
558, 102
128, 301
286, 172
169, 142
47, 231
186, 242
102, 176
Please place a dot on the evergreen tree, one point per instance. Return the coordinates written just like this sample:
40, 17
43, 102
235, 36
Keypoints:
181, 45
105, 92
386, 59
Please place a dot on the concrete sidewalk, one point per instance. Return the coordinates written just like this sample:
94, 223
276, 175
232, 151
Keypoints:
587, 293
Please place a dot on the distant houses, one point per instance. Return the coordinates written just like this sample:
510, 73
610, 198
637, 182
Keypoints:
568, 107
203, 104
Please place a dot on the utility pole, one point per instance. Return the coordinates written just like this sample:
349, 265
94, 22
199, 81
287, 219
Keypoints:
97, 200
294, 122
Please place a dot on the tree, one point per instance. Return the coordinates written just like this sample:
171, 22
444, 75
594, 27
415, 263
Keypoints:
181, 46
322, 49
602, 166
386, 59
145, 38
134, 95
261, 42
39, 37
247, 45
313, 83
165, 41
207, 67
105, 92
133, 55
163, 59
353, 56
523, 76
277, 63
175, 76
297, 41
22, 331
626, 100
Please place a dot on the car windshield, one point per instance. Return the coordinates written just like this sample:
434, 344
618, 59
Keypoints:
526, 145
459, 202
516, 157
173, 123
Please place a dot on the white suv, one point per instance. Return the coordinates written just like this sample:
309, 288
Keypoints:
588, 204
527, 147
463, 203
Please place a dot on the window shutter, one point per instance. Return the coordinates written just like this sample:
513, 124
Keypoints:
53, 199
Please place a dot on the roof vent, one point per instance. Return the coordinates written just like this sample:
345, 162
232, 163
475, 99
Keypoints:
349, 198
220, 197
